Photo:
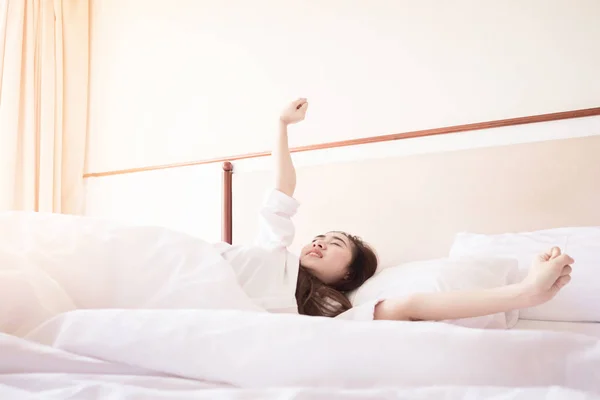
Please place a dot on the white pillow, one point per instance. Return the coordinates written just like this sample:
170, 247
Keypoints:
444, 274
579, 301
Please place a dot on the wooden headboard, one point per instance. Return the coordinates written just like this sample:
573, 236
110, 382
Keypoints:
410, 207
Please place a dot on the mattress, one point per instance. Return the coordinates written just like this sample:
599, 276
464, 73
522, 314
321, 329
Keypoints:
586, 328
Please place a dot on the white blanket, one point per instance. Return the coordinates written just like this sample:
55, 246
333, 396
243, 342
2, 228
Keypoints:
51, 264
249, 349
86, 387
93, 309
255, 352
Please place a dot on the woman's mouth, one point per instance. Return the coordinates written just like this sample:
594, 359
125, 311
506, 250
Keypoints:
315, 253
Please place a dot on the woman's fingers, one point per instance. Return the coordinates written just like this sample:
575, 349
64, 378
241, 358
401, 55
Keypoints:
562, 281
563, 259
300, 102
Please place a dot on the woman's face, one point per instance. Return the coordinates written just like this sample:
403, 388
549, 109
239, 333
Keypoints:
328, 257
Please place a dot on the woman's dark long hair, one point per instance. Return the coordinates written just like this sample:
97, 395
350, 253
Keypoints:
318, 299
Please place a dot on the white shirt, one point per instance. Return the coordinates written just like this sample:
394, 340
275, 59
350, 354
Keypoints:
266, 270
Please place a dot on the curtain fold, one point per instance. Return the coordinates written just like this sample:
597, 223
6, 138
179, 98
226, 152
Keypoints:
44, 85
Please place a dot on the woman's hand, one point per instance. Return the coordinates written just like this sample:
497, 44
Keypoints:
548, 274
294, 112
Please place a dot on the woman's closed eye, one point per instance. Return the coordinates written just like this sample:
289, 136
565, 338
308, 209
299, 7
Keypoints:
336, 241
332, 243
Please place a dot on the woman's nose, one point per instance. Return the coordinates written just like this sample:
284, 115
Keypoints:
319, 244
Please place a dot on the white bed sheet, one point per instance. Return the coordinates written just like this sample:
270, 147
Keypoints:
75, 387
584, 328
246, 355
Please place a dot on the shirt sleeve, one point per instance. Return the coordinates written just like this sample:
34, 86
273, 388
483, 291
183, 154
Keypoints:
363, 312
276, 229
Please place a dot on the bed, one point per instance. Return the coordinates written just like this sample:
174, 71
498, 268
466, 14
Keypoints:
186, 330
429, 199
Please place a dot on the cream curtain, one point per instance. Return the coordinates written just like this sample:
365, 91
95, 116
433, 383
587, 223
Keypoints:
44, 72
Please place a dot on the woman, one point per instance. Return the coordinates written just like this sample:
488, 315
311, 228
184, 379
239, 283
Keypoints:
334, 263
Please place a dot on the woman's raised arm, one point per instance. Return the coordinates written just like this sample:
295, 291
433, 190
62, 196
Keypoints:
285, 173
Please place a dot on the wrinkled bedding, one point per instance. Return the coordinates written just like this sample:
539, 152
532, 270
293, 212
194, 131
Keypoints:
93, 309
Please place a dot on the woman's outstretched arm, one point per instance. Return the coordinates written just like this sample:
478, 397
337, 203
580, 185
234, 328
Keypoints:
549, 273
285, 173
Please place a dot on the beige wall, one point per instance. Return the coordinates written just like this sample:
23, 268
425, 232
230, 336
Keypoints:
410, 208
189, 198
188, 79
